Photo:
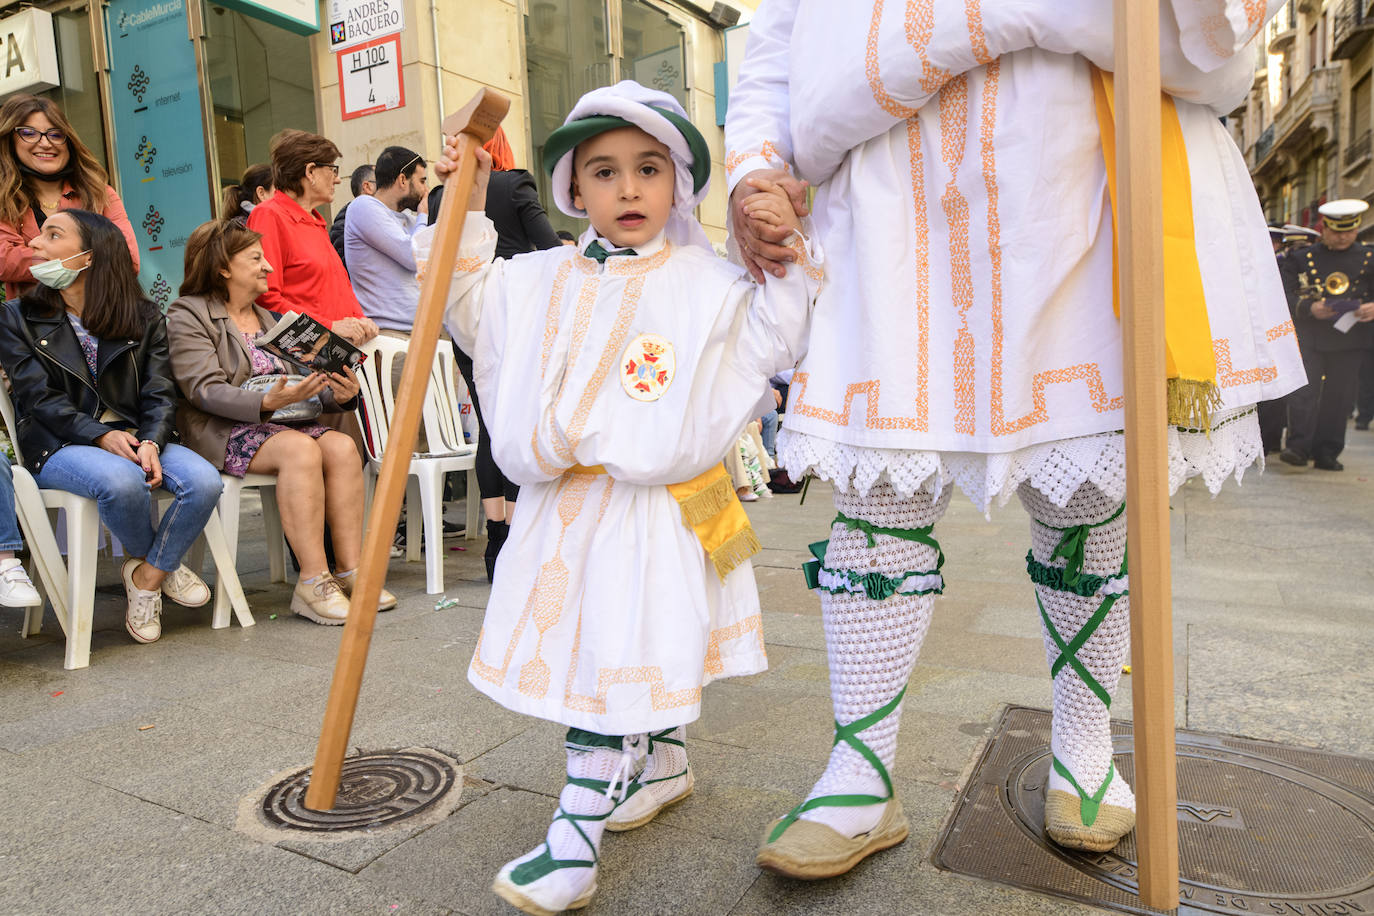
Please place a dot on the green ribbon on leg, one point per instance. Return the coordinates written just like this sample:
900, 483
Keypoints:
849, 734
1073, 545
1088, 805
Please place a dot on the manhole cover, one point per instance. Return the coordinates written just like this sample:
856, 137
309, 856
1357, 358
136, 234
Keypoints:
1263, 828
376, 789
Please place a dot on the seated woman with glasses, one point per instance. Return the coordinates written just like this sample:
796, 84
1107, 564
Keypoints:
213, 330
94, 401
44, 167
308, 275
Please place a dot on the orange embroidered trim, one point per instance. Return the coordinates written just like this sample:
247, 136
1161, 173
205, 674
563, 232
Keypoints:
659, 696
739, 628
920, 27
869, 389
470, 265
766, 151
974, 10
638, 267
954, 122
921, 225
1228, 377
1280, 330
547, 590
577, 632
873, 69
582, 319
798, 246
615, 345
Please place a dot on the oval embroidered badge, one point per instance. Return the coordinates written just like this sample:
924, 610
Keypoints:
647, 368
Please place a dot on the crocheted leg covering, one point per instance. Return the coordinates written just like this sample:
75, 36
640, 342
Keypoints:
1078, 564
560, 873
873, 642
665, 780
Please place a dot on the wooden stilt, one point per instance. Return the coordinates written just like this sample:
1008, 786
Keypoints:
1141, 261
473, 125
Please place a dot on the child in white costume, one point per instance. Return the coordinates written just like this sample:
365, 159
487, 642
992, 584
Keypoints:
967, 335
605, 378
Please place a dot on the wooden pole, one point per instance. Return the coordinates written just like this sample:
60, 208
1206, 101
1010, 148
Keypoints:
1141, 263
473, 125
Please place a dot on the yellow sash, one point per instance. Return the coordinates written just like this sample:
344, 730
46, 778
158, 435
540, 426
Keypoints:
713, 511
1192, 367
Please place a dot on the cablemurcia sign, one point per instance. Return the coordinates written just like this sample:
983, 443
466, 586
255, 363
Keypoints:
356, 22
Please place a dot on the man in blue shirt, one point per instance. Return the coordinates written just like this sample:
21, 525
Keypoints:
377, 232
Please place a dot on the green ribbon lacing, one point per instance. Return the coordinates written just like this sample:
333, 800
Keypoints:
1071, 579
850, 735
876, 585
1074, 542
660, 738
544, 863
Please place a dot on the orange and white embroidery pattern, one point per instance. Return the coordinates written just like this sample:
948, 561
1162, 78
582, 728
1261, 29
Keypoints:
766, 151
1227, 377
869, 389
953, 101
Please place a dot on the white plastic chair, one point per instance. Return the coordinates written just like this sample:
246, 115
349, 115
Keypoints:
444, 440
71, 586
229, 509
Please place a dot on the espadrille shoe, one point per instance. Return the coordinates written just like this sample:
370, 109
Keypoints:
665, 780
549, 894
1064, 823
811, 850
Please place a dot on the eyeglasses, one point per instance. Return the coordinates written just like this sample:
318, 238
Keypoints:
333, 166
56, 135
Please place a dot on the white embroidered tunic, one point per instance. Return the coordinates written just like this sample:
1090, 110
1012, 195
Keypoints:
966, 330
606, 613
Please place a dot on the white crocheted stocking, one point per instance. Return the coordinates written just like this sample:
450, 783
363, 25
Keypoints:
873, 642
562, 870
1081, 732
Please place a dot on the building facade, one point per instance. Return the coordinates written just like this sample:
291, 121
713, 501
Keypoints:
1305, 128
178, 97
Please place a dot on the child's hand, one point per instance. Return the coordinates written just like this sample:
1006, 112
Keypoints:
447, 163
770, 206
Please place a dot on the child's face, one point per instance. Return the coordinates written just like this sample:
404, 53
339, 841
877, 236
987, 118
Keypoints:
624, 180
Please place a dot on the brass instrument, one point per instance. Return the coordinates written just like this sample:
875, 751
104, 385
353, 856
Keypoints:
1335, 285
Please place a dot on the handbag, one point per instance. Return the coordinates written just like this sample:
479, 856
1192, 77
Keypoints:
299, 412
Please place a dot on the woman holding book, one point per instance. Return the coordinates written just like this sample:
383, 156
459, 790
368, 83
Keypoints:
86, 354
246, 410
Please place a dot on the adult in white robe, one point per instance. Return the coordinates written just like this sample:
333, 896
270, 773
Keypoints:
966, 335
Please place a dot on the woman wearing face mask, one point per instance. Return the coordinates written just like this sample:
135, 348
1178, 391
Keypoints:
213, 331
44, 167
86, 353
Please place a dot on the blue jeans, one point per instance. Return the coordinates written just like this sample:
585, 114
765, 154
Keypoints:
770, 433
119, 489
10, 539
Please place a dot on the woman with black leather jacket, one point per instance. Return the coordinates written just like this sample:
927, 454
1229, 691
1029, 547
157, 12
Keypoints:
86, 354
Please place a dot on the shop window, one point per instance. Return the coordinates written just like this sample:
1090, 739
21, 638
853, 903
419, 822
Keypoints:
260, 83
567, 55
79, 94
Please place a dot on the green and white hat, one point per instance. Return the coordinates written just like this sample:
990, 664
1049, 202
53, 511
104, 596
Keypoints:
658, 114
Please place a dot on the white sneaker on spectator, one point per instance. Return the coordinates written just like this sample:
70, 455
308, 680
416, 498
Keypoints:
143, 618
186, 588
15, 588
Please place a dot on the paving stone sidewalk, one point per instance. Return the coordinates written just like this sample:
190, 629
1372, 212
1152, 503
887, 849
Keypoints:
1273, 614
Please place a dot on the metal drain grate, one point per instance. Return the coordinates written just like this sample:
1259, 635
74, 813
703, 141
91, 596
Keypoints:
375, 790
1263, 828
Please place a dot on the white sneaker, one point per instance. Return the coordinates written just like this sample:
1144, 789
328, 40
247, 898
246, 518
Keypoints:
186, 588
143, 618
15, 588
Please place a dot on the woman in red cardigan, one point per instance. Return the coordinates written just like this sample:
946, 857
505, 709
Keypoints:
44, 167
308, 276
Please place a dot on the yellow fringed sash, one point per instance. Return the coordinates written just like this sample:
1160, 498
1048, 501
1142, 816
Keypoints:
1192, 367
713, 511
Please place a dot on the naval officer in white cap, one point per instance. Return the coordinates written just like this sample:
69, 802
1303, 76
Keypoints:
1330, 287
